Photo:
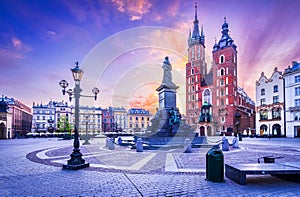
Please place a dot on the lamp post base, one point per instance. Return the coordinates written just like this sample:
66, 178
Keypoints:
76, 167
76, 162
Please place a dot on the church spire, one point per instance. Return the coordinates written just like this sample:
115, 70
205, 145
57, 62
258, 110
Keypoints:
196, 11
196, 37
225, 28
226, 40
202, 37
196, 34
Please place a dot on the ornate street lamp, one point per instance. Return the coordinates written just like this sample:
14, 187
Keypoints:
86, 142
76, 161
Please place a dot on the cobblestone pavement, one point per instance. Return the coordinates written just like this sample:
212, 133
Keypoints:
33, 167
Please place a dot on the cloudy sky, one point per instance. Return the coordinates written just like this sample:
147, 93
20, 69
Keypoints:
121, 44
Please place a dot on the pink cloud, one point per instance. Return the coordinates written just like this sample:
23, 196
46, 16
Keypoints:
16, 42
19, 45
134, 8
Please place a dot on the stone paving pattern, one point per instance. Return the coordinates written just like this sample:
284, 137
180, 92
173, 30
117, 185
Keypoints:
25, 171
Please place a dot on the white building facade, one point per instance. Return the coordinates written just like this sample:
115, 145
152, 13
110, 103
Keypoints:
120, 118
270, 105
90, 120
43, 117
292, 99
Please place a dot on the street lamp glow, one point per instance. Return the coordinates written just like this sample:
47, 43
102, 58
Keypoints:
77, 73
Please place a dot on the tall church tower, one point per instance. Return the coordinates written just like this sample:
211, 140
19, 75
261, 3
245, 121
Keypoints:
196, 68
225, 82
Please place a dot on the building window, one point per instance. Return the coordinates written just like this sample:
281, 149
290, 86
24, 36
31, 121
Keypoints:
222, 102
142, 118
297, 78
297, 91
222, 92
297, 116
222, 72
207, 96
262, 91
222, 82
192, 71
193, 88
297, 102
263, 115
130, 125
193, 52
222, 59
275, 99
193, 79
275, 88
262, 101
276, 113
136, 118
136, 126
142, 125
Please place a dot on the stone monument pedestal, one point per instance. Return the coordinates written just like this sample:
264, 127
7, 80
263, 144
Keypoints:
167, 128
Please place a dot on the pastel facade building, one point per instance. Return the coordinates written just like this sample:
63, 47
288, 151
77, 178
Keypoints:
138, 120
270, 105
43, 117
107, 120
292, 99
21, 117
120, 118
5, 121
90, 120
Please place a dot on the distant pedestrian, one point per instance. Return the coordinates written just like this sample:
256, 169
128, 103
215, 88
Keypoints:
225, 144
235, 142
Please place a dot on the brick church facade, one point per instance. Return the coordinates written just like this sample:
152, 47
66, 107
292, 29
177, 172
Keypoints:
215, 103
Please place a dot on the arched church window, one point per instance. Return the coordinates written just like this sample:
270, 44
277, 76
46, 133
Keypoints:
193, 52
222, 82
207, 96
222, 71
222, 92
193, 79
222, 59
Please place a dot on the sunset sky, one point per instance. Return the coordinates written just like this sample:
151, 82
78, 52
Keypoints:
121, 44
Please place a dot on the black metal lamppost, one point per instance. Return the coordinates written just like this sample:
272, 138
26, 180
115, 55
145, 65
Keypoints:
76, 161
86, 142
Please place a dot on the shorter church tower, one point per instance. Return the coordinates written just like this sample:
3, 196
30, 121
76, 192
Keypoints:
225, 82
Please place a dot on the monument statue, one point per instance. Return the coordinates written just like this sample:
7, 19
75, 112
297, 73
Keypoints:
167, 77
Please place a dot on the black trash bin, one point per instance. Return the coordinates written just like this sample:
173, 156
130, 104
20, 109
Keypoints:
215, 165
240, 137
